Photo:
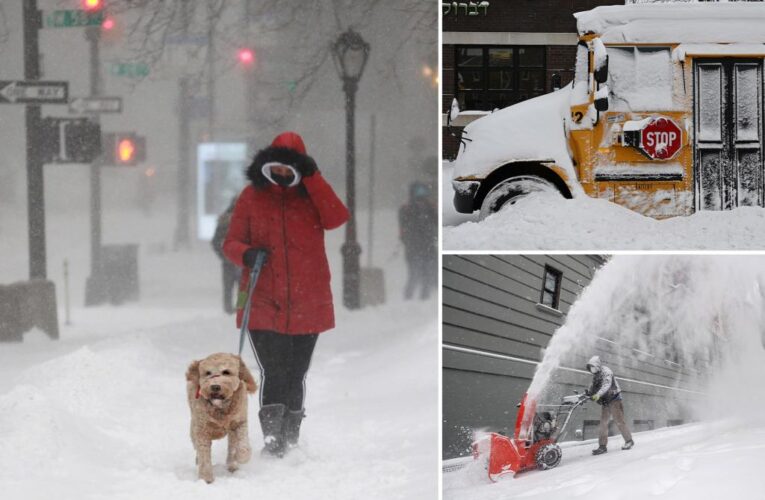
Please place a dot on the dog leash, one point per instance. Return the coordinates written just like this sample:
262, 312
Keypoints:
260, 259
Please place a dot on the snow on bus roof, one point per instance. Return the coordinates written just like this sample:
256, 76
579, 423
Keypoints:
676, 23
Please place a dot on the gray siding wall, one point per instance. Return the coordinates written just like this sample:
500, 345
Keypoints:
494, 331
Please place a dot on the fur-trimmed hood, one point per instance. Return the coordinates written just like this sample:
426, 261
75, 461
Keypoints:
277, 154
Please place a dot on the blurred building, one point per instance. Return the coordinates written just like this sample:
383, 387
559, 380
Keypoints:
499, 313
498, 53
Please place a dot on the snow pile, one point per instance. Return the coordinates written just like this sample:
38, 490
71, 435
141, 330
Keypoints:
675, 23
702, 315
550, 222
530, 130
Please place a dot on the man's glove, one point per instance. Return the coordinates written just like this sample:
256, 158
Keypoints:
307, 167
595, 397
250, 255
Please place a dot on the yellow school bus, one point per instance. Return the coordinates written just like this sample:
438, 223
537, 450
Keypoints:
664, 117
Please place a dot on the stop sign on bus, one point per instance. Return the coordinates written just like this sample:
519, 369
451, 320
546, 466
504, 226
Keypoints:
661, 138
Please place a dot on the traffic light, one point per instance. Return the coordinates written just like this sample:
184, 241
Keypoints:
246, 56
124, 149
92, 5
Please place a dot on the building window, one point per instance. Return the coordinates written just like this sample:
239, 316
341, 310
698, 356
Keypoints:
497, 76
551, 287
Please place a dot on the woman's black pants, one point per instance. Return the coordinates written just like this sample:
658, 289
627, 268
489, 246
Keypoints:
284, 361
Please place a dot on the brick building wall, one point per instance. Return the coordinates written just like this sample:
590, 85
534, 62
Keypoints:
530, 16
531, 22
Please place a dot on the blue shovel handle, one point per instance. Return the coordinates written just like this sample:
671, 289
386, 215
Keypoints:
260, 259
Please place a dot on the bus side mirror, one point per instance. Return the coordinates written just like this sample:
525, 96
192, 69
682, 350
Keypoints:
600, 60
601, 99
601, 73
601, 104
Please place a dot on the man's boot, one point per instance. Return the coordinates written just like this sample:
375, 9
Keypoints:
292, 423
629, 444
599, 450
272, 423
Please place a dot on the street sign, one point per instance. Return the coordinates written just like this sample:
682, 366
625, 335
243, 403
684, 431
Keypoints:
33, 92
657, 137
661, 138
69, 140
129, 69
96, 105
74, 18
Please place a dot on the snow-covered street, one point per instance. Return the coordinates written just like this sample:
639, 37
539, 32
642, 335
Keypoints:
723, 459
549, 222
102, 413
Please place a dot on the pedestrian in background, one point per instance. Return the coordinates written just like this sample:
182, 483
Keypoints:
418, 230
229, 270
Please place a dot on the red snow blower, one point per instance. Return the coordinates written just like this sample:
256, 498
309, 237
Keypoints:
534, 444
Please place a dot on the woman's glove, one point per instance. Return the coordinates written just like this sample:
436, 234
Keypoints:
250, 255
307, 167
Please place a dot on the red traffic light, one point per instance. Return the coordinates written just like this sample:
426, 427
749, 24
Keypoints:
246, 56
108, 24
126, 150
92, 5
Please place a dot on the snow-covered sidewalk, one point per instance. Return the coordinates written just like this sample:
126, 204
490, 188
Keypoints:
550, 222
102, 413
691, 462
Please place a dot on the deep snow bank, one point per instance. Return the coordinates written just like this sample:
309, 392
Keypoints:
549, 222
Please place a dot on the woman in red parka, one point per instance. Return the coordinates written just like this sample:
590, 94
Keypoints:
284, 211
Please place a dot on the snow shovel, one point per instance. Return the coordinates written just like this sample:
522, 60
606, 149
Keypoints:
260, 259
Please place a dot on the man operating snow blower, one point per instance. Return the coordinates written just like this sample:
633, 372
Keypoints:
606, 392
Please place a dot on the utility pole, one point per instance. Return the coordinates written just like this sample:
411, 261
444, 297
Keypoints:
33, 118
211, 72
182, 233
95, 285
249, 96
372, 187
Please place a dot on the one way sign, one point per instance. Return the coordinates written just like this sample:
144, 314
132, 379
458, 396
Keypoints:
33, 92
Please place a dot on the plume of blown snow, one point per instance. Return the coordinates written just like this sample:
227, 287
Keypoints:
702, 316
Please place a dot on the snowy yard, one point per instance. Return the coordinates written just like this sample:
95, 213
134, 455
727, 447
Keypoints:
723, 459
549, 222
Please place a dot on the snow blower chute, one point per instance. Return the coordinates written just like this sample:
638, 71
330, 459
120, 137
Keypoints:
534, 444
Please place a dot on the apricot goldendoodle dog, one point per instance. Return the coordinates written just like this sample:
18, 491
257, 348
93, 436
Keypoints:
217, 388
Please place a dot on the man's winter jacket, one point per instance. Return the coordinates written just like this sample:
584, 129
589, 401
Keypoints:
293, 293
604, 384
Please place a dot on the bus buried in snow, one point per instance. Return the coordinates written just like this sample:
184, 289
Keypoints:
664, 117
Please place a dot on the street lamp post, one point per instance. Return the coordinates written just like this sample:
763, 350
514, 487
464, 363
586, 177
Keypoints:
350, 53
